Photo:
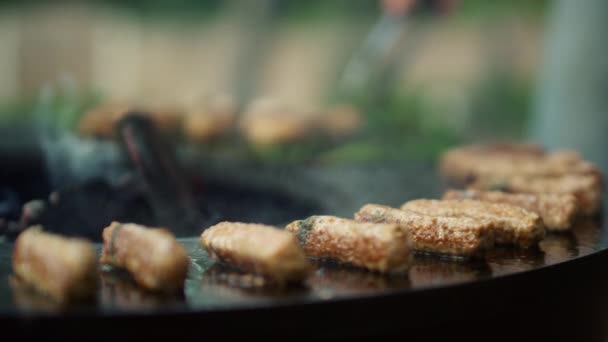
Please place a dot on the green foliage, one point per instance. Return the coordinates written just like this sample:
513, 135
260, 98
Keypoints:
163, 9
395, 131
299, 10
483, 9
14, 111
500, 107
305, 11
59, 112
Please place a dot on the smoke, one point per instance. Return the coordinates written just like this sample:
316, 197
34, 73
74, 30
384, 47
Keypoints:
70, 159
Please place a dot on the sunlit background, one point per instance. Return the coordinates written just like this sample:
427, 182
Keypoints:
313, 81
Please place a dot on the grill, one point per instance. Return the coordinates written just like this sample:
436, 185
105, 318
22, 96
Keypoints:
161, 185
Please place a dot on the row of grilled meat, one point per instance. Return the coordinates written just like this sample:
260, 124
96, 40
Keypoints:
465, 224
263, 122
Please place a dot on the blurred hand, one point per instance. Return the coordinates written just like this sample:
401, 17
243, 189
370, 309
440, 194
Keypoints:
402, 7
397, 8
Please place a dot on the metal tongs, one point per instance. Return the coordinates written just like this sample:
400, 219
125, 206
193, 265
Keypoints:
372, 68
165, 185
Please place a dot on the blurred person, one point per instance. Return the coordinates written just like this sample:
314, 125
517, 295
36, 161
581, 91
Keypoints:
572, 101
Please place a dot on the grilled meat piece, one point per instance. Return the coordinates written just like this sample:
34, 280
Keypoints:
452, 236
153, 256
341, 121
558, 211
209, 120
466, 164
587, 188
269, 122
512, 225
101, 121
460, 165
258, 249
63, 268
377, 247
204, 127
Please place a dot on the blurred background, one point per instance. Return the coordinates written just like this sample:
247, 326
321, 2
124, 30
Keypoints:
276, 82
455, 73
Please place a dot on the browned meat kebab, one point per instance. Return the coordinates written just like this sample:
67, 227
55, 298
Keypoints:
101, 121
209, 119
460, 165
63, 268
259, 249
152, 255
587, 188
466, 164
558, 211
512, 225
377, 247
453, 236
520, 169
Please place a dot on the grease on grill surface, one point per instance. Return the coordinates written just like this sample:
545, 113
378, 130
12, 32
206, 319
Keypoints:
120, 291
